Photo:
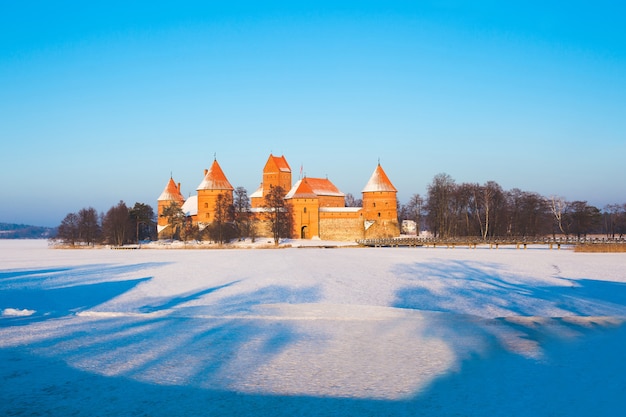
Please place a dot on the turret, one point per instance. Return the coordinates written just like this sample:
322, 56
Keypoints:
171, 194
213, 184
276, 172
380, 207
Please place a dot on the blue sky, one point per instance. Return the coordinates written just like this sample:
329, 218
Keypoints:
101, 102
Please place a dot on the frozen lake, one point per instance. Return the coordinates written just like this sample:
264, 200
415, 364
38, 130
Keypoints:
308, 331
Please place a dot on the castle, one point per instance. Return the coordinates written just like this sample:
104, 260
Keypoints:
318, 207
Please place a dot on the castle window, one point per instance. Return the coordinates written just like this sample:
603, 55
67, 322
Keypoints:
207, 215
378, 214
374, 204
305, 209
206, 205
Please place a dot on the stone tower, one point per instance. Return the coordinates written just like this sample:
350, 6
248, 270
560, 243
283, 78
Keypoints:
380, 207
213, 184
276, 172
171, 194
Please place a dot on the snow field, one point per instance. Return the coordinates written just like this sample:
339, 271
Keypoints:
417, 331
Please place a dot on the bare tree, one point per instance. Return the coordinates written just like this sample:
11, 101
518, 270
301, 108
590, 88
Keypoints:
351, 201
222, 229
68, 230
463, 210
614, 220
528, 214
486, 199
279, 213
116, 225
584, 219
89, 230
558, 207
438, 204
415, 210
242, 214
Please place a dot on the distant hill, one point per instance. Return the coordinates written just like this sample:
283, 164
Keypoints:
23, 231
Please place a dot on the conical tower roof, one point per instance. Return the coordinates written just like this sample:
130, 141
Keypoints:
171, 193
379, 182
214, 179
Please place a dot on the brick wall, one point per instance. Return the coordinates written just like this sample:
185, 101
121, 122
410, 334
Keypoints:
341, 228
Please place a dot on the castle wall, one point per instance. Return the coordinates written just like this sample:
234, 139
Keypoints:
341, 229
341, 225
382, 229
332, 201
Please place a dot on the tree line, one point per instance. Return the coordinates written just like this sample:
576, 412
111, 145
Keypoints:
449, 209
232, 219
118, 226
487, 211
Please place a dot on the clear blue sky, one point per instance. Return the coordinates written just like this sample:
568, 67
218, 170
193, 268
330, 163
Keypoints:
101, 102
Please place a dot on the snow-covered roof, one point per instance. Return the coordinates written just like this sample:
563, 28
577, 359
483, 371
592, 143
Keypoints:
276, 162
314, 187
258, 193
281, 163
190, 208
379, 182
214, 179
171, 193
301, 189
323, 186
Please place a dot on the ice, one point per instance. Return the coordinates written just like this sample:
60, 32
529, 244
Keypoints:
311, 331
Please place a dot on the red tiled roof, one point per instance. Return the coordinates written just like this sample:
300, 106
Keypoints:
379, 182
314, 187
171, 193
215, 179
301, 189
279, 162
323, 186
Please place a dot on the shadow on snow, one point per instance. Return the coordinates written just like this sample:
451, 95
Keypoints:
180, 365
57, 292
465, 287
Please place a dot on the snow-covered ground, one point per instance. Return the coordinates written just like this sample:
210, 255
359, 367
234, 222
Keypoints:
311, 331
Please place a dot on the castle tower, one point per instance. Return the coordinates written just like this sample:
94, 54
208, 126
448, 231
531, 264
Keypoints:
171, 194
213, 184
276, 172
305, 204
380, 207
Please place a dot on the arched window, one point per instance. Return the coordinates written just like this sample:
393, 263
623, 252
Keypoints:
305, 209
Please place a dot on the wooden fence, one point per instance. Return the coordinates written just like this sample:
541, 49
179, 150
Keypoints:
472, 242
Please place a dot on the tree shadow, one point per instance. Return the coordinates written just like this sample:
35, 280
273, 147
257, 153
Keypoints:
575, 376
59, 302
580, 378
177, 301
546, 349
37, 294
470, 287
194, 360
